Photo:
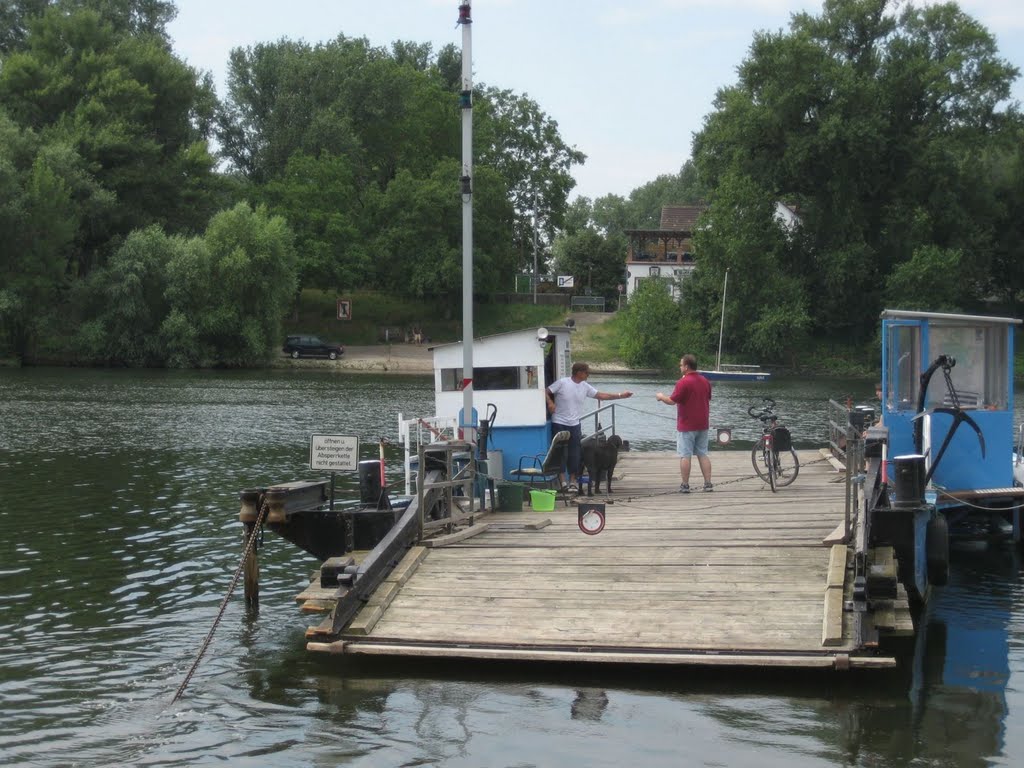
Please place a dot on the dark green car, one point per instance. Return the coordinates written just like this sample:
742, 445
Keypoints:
311, 346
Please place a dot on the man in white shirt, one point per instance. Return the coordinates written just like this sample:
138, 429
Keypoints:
565, 404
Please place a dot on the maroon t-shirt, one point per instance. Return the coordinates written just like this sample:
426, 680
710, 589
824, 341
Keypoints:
692, 397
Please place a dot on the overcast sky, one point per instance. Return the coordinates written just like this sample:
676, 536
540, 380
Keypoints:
628, 82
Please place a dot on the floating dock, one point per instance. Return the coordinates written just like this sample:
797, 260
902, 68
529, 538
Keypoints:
740, 576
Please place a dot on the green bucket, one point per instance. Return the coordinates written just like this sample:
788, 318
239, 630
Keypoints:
542, 501
510, 497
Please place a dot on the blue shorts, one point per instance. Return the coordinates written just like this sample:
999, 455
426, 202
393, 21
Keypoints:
690, 443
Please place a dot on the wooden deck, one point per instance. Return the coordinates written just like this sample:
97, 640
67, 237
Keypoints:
740, 576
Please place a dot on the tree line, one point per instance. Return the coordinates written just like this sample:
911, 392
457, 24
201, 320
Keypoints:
145, 221
889, 128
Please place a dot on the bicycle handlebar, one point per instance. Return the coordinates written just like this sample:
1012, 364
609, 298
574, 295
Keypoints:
767, 411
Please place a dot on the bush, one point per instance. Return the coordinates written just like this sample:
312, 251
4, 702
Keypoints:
652, 328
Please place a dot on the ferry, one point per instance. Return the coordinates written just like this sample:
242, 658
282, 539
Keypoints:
432, 575
947, 403
510, 374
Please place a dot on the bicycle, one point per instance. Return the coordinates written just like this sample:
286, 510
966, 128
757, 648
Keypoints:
773, 456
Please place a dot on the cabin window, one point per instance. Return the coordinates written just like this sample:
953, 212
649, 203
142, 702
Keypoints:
981, 371
491, 379
903, 366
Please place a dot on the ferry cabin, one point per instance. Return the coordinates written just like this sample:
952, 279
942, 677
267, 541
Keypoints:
964, 417
510, 373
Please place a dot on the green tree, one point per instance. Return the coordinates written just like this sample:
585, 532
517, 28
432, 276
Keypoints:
383, 111
132, 16
38, 221
646, 202
869, 118
923, 283
229, 290
653, 327
121, 101
131, 296
320, 200
419, 249
766, 311
516, 138
596, 262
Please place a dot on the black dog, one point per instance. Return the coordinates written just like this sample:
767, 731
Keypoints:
600, 458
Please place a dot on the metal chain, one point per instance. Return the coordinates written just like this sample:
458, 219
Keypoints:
250, 544
953, 397
717, 485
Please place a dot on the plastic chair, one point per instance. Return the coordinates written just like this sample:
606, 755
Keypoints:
544, 469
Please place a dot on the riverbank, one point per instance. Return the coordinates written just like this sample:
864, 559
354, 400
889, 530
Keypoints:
408, 359
414, 360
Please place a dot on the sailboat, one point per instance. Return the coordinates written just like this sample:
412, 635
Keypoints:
732, 371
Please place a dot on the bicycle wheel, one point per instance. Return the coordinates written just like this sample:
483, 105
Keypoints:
787, 467
759, 457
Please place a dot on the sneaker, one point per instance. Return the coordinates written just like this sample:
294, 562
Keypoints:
708, 487
573, 489
684, 488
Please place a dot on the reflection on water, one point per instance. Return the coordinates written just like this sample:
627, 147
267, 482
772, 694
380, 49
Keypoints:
118, 501
962, 660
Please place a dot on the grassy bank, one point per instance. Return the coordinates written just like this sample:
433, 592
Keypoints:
378, 317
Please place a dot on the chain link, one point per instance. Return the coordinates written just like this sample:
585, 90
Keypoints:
249, 546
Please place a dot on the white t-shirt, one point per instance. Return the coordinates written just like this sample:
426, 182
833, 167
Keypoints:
569, 396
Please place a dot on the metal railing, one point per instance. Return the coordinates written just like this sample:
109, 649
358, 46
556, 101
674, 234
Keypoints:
837, 417
414, 433
599, 429
597, 302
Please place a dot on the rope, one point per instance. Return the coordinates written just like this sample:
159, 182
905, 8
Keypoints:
965, 503
645, 412
224, 603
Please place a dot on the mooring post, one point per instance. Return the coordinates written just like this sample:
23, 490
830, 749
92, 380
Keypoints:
251, 567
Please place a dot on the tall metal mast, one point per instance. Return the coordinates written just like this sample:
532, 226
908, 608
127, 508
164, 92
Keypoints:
721, 326
466, 103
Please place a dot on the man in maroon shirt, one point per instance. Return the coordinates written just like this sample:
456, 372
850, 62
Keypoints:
692, 399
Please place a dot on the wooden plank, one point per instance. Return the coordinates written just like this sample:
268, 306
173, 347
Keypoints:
384, 594
453, 538
365, 620
832, 622
884, 615
837, 536
315, 592
407, 565
836, 567
526, 654
702, 659
382, 597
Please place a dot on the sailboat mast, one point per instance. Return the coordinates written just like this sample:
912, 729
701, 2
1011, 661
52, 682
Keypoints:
466, 103
721, 326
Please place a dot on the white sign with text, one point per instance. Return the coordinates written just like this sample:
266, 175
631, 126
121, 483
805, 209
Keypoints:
335, 453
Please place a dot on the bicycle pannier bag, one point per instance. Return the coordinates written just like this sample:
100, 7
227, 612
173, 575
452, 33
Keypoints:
781, 439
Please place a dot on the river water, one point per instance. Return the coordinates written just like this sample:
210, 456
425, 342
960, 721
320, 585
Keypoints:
118, 506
